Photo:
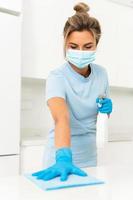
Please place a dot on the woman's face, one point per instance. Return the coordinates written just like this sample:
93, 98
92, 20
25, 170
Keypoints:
81, 40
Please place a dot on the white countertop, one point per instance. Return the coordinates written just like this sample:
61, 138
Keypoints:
115, 167
119, 186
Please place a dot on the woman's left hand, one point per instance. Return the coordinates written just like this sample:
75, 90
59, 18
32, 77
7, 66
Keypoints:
106, 105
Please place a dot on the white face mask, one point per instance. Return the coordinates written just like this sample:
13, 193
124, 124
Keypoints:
80, 58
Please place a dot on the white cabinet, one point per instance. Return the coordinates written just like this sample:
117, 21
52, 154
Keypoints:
115, 47
9, 165
10, 81
11, 5
31, 155
116, 153
124, 51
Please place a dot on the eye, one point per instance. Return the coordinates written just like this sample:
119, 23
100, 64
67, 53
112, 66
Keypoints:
89, 47
73, 47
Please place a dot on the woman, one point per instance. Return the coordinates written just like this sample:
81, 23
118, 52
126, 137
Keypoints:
72, 92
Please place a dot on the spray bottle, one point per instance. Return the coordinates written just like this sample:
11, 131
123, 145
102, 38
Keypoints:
101, 126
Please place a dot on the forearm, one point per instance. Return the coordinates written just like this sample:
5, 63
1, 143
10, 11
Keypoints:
62, 133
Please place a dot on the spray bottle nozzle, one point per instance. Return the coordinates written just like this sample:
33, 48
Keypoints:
101, 96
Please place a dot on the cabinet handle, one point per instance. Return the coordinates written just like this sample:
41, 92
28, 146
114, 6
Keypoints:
10, 12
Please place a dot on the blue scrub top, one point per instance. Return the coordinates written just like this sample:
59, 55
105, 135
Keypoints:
80, 94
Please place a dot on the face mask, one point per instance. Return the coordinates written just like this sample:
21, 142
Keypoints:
80, 58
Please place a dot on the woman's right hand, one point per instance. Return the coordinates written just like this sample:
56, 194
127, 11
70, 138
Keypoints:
63, 167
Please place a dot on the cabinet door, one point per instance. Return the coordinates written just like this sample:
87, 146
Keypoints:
124, 51
28, 162
116, 45
9, 165
9, 83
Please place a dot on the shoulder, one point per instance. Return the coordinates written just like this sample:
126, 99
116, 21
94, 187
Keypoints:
99, 70
56, 72
55, 86
55, 78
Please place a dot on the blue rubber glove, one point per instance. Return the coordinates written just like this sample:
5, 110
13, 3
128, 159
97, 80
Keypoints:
63, 167
106, 105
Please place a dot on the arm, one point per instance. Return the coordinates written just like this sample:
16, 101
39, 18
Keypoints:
60, 114
63, 165
55, 98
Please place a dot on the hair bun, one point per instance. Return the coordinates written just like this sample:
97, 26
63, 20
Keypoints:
81, 7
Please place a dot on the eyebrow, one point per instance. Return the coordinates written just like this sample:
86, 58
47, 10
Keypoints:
84, 44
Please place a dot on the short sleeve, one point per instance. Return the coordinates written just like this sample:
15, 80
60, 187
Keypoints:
55, 86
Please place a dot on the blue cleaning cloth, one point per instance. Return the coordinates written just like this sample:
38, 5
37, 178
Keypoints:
72, 181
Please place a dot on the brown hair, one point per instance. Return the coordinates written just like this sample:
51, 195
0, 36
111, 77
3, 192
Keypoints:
80, 21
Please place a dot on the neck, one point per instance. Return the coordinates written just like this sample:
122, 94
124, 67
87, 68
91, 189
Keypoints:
84, 72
